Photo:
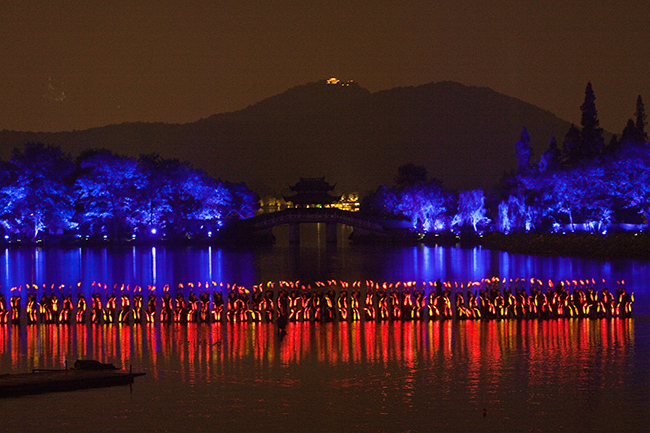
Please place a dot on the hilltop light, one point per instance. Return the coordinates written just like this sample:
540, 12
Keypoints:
333, 81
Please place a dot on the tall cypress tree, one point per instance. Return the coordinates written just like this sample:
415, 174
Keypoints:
592, 133
572, 147
613, 147
640, 119
523, 150
550, 160
631, 134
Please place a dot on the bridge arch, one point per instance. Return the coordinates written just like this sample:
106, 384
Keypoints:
330, 216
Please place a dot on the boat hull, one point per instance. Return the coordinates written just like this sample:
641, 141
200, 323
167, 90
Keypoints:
13, 385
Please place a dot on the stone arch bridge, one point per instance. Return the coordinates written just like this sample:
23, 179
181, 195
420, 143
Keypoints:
264, 223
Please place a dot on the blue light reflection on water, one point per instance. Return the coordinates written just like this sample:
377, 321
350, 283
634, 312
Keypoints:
461, 265
158, 266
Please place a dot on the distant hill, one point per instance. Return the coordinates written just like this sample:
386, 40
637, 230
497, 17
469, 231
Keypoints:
356, 139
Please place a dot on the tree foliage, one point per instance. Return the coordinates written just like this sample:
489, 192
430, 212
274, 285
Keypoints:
583, 186
42, 191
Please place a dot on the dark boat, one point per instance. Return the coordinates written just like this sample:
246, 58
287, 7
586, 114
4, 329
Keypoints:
86, 374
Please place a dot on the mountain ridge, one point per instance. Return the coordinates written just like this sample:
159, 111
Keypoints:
464, 135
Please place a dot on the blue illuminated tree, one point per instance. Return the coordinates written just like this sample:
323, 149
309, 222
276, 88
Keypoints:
151, 205
630, 182
422, 201
106, 190
560, 196
381, 202
36, 196
471, 209
215, 200
580, 194
244, 201
43, 191
424, 205
596, 201
11, 193
515, 215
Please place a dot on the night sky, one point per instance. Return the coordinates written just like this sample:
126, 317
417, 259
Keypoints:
78, 64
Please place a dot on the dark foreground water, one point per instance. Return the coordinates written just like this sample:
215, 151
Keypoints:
557, 375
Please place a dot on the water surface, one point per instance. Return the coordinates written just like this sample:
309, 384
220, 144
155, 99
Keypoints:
513, 375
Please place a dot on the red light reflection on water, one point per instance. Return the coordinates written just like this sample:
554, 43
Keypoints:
480, 352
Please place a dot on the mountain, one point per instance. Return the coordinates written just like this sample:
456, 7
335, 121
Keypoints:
463, 135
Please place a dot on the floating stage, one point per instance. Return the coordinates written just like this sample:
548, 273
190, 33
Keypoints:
44, 381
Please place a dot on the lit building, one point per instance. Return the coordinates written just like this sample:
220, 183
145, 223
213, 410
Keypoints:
312, 192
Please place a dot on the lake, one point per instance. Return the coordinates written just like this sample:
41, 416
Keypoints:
500, 375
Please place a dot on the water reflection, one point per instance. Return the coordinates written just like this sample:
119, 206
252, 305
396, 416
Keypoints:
393, 376
544, 347
531, 375
172, 266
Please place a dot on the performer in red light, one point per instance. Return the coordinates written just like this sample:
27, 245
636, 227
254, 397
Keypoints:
4, 313
407, 306
267, 306
81, 308
111, 306
166, 312
54, 307
232, 300
193, 308
31, 308
523, 302
217, 306
150, 312
342, 304
254, 305
44, 310
326, 313
204, 314
461, 311
354, 306
125, 308
472, 305
179, 307
446, 309
418, 304
241, 308
383, 305
97, 312
137, 308
294, 299
369, 305
66, 308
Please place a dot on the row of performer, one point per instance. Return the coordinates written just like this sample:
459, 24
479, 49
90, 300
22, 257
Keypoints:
326, 301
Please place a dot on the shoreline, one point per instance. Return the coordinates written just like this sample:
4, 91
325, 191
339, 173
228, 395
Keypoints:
624, 246
620, 245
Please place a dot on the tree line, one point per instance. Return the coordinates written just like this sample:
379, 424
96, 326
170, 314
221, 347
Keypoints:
583, 184
44, 193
